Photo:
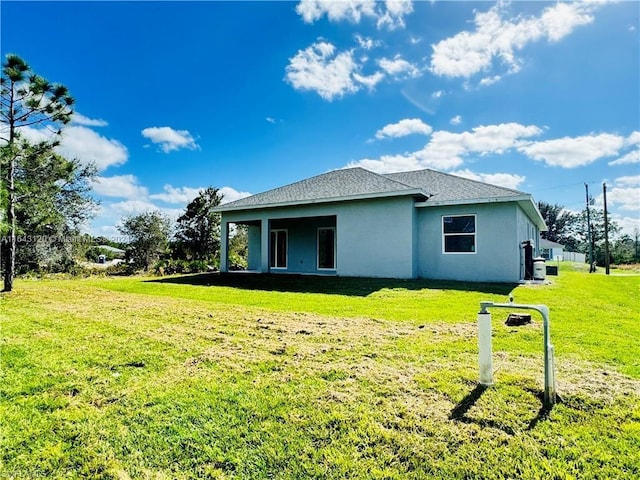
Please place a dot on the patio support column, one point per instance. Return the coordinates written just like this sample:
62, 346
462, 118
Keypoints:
224, 245
264, 244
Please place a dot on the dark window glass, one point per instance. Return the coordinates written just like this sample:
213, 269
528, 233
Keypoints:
326, 248
465, 224
459, 234
278, 249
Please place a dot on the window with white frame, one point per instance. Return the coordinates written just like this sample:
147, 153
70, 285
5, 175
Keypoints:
278, 249
459, 234
326, 248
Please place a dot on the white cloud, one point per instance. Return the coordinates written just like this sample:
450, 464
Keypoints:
437, 94
86, 121
319, 69
506, 180
445, 150
630, 180
84, 144
366, 43
490, 80
628, 224
571, 152
633, 139
123, 186
627, 159
627, 198
176, 194
231, 194
132, 207
398, 66
88, 146
497, 39
369, 81
391, 14
395, 12
457, 120
389, 164
170, 139
405, 127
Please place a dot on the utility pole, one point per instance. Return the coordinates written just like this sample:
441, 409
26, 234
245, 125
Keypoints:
591, 268
606, 230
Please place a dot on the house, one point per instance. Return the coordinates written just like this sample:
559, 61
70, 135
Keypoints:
418, 224
554, 251
551, 250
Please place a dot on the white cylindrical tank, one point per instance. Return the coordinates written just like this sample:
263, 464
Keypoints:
539, 269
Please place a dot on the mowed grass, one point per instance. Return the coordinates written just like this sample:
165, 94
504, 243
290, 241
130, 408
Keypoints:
297, 377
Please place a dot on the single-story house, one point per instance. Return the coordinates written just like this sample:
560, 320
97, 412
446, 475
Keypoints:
551, 250
418, 224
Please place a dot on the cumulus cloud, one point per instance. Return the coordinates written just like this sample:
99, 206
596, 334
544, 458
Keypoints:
169, 139
82, 143
123, 186
390, 14
457, 120
506, 180
173, 194
571, 152
231, 194
497, 38
80, 119
627, 198
627, 159
331, 75
631, 180
366, 43
405, 127
398, 67
446, 150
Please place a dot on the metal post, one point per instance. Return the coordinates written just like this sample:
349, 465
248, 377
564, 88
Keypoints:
484, 329
485, 358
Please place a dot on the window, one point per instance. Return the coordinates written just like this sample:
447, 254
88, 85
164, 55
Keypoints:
278, 249
326, 248
459, 234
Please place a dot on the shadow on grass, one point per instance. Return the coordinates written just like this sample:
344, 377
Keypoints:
351, 286
459, 413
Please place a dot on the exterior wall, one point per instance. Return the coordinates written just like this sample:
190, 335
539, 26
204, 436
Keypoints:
497, 255
374, 238
254, 247
392, 238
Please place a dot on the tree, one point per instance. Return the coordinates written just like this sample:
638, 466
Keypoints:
580, 236
52, 201
148, 237
26, 99
558, 222
198, 229
239, 248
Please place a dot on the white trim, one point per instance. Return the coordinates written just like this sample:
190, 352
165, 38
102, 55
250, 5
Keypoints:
286, 248
335, 245
475, 233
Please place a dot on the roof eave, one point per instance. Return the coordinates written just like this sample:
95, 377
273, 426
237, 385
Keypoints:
348, 198
525, 201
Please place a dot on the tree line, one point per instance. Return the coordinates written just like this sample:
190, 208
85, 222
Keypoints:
571, 230
45, 198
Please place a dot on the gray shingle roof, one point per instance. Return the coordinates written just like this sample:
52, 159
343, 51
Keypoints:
446, 187
357, 182
335, 185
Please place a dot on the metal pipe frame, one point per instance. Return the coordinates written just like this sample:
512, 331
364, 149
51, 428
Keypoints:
549, 370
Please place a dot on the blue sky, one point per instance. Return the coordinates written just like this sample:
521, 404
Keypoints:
248, 96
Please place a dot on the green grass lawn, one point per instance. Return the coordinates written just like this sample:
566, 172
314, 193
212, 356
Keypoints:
297, 377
